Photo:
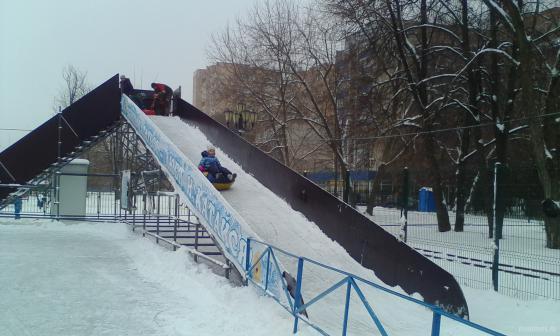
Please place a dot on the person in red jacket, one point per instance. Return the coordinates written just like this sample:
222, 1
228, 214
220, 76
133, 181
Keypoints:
162, 98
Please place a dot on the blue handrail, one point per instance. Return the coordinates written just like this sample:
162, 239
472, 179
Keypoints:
296, 307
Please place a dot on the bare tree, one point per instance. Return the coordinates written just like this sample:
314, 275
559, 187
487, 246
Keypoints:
409, 29
533, 30
296, 48
75, 86
254, 50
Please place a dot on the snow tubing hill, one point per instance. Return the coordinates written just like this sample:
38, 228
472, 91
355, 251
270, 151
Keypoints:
393, 262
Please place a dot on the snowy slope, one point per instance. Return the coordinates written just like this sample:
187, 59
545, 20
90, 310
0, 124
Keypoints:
102, 279
278, 224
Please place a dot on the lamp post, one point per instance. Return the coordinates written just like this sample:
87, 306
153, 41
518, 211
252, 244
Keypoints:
239, 114
229, 116
241, 119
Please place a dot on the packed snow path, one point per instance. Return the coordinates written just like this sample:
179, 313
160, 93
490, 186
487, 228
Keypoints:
102, 279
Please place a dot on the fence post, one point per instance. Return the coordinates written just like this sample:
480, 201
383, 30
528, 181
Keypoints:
248, 256
115, 201
346, 189
157, 216
98, 204
196, 228
59, 143
144, 211
176, 220
169, 211
436, 323
267, 268
497, 231
298, 292
59, 161
404, 209
134, 214
57, 193
346, 308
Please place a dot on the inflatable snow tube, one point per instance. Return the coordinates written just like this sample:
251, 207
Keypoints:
220, 184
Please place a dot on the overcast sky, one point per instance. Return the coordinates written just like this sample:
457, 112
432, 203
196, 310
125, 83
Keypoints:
148, 41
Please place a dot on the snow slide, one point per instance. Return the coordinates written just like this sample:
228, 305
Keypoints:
274, 221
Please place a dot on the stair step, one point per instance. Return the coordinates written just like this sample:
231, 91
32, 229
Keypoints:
185, 237
212, 253
199, 244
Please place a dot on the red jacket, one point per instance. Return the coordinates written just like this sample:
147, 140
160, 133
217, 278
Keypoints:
158, 87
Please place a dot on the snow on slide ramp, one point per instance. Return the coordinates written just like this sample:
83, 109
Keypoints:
278, 224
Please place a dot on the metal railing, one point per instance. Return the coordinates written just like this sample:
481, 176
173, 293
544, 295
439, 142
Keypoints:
521, 266
528, 270
353, 284
161, 217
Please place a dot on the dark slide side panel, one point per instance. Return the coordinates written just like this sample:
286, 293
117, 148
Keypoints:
36, 151
393, 262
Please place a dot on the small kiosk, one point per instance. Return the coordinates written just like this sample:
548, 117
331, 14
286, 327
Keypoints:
72, 190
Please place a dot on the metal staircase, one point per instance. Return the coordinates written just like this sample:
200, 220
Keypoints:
35, 158
47, 175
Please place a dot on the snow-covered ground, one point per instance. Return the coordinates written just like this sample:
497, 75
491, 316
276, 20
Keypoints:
530, 270
102, 279
168, 275
277, 223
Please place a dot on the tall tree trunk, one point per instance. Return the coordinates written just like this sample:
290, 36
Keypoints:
470, 118
495, 109
544, 132
284, 109
460, 183
552, 226
420, 96
346, 189
484, 180
441, 206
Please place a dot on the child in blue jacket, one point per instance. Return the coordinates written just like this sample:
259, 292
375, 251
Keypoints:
211, 164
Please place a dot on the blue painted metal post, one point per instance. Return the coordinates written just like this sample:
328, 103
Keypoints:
346, 307
436, 323
297, 302
267, 268
368, 308
248, 256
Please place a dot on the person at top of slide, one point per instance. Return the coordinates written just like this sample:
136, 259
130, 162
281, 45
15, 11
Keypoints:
162, 98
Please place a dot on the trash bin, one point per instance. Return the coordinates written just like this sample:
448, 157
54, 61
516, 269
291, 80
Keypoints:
426, 202
17, 207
